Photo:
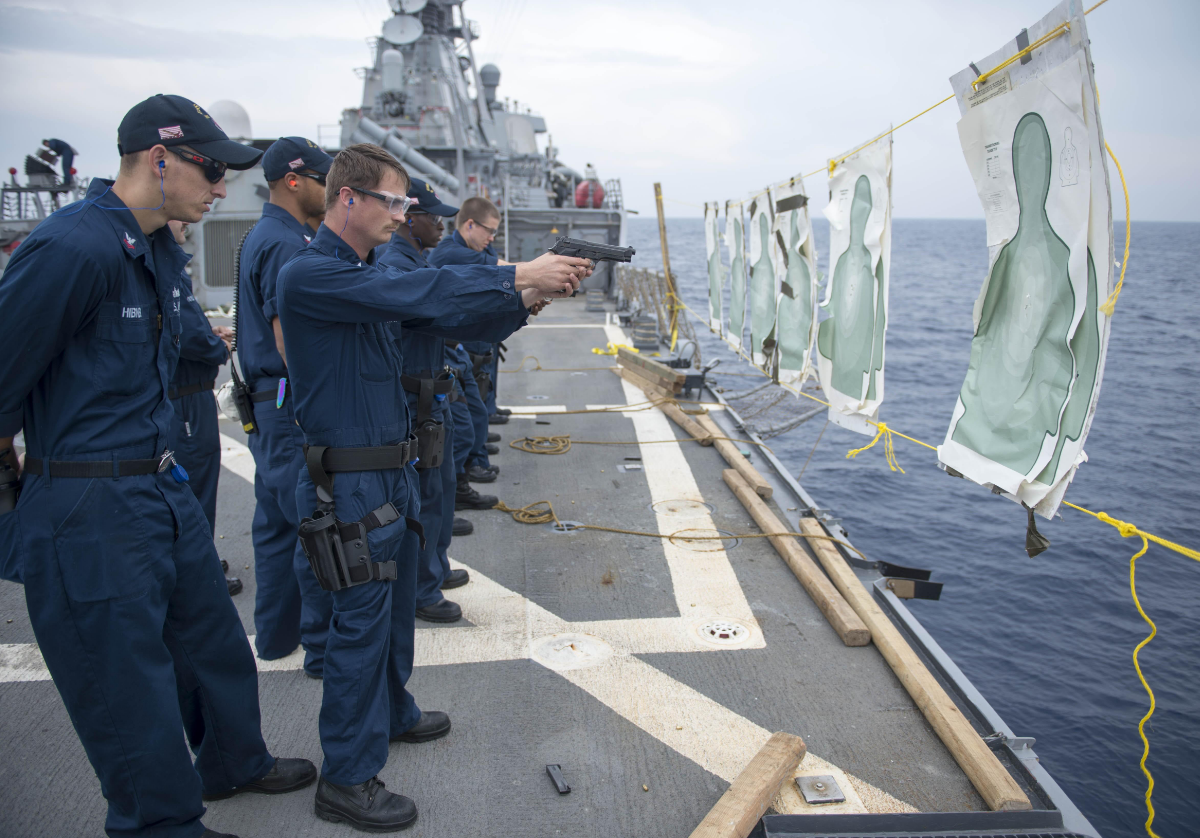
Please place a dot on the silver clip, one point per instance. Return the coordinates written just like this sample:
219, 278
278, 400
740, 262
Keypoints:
167, 460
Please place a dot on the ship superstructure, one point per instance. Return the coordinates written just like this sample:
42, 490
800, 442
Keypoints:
432, 107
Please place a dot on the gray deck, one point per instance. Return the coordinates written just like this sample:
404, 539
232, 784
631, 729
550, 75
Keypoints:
656, 707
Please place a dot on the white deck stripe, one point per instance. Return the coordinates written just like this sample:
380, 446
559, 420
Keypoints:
534, 409
237, 458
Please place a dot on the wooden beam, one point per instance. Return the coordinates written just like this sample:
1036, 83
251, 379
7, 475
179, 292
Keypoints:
993, 782
736, 458
689, 425
744, 802
672, 379
833, 605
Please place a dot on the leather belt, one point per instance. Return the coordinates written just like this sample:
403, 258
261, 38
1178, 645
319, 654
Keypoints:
365, 459
322, 461
95, 468
269, 395
191, 389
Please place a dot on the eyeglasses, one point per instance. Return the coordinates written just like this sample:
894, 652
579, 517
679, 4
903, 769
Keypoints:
318, 178
491, 230
396, 204
214, 170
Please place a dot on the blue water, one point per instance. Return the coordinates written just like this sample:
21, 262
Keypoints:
1047, 640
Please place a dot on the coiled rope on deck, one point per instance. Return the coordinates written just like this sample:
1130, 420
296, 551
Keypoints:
542, 512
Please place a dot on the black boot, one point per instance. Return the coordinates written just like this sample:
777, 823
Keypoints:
442, 611
498, 419
465, 496
479, 474
491, 449
456, 579
462, 527
432, 725
367, 806
234, 585
285, 775
504, 411
493, 436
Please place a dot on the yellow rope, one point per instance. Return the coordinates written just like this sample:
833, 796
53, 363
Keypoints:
611, 349
561, 444
1111, 303
889, 450
533, 514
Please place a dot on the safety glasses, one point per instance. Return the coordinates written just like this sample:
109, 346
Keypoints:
396, 204
214, 170
318, 178
491, 230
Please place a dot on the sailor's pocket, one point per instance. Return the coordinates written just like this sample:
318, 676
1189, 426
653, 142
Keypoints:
102, 550
372, 356
372, 490
122, 350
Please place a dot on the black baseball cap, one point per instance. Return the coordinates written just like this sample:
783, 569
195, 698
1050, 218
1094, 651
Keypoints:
173, 120
427, 200
291, 154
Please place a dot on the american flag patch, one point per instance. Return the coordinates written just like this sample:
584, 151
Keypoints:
171, 132
296, 164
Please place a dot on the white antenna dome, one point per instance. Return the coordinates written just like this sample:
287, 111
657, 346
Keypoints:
232, 118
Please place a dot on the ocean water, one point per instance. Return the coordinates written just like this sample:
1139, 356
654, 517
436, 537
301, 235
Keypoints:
1047, 640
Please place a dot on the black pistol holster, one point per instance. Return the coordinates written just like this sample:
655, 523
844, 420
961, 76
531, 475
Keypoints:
338, 551
480, 368
430, 433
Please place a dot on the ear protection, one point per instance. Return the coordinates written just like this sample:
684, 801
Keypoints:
351, 202
161, 164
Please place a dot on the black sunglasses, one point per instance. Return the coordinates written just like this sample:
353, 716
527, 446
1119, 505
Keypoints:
214, 170
318, 178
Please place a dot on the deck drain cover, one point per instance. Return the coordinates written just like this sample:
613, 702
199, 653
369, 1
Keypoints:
569, 650
682, 508
537, 398
723, 633
821, 788
565, 526
715, 541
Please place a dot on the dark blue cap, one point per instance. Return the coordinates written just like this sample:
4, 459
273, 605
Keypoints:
427, 199
292, 154
174, 120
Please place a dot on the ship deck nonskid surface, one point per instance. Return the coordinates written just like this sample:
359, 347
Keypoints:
580, 649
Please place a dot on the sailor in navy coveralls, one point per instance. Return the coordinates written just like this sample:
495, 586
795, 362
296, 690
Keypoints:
123, 584
345, 372
471, 244
290, 608
424, 357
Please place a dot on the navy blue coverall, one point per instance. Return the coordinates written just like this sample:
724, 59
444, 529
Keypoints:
195, 436
345, 370
454, 250
470, 419
123, 585
289, 606
424, 356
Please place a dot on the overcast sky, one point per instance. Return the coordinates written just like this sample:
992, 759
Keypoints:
713, 99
